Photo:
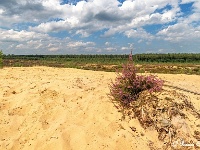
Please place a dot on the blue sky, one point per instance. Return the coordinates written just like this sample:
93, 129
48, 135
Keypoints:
99, 26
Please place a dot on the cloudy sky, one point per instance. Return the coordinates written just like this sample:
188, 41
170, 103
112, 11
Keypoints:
99, 26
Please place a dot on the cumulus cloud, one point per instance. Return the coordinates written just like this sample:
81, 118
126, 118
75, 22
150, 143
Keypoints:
107, 43
94, 14
29, 40
125, 48
110, 49
97, 15
16, 11
186, 28
139, 33
80, 44
180, 32
19, 36
86, 17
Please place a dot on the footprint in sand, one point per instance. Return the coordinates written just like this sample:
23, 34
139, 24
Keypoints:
74, 136
9, 92
21, 111
5, 106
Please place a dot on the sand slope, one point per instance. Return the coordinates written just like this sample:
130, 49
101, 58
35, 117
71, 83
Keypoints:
59, 108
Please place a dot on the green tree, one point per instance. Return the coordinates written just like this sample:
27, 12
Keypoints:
1, 59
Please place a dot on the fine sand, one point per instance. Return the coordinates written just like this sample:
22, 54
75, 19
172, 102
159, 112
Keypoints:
43, 108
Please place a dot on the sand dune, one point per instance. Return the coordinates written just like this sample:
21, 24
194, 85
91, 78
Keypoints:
47, 108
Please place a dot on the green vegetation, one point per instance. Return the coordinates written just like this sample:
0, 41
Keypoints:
1, 59
154, 63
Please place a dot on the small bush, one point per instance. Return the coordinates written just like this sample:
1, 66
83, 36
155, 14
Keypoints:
128, 85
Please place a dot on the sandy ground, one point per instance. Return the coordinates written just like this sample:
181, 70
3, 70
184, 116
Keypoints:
44, 108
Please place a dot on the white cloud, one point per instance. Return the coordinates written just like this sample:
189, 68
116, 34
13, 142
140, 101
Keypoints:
1, 11
180, 32
196, 6
94, 15
187, 1
49, 27
186, 29
20, 36
19, 46
139, 33
83, 33
87, 17
110, 49
170, 16
80, 44
125, 48
107, 43
17, 11
23, 40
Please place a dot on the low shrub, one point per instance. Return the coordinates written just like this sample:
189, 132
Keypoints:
128, 85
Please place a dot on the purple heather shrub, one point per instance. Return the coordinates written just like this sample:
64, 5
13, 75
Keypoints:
128, 85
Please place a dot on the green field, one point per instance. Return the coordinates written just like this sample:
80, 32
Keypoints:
153, 63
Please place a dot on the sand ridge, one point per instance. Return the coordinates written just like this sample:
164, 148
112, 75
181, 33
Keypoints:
63, 108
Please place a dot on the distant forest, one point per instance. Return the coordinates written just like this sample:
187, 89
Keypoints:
153, 63
151, 58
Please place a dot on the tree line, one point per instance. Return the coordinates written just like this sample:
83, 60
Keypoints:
1, 59
159, 58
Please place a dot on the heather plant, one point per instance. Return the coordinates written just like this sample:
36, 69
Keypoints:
128, 85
